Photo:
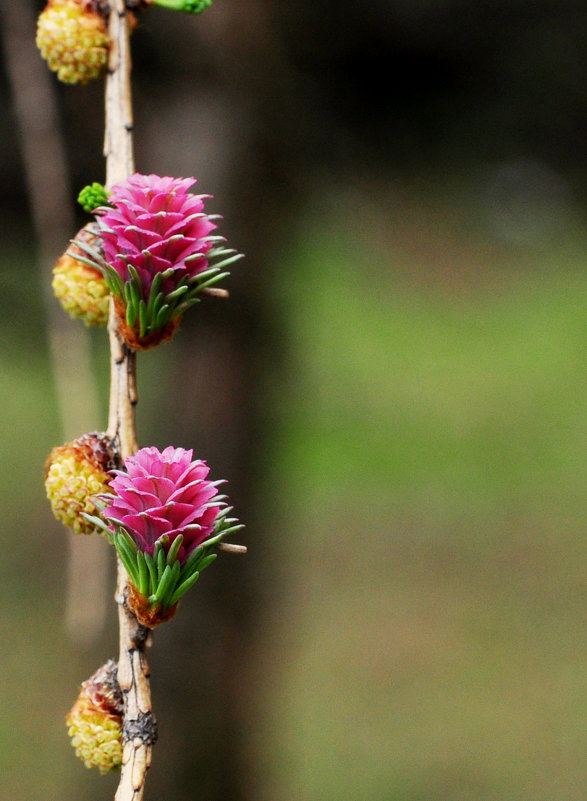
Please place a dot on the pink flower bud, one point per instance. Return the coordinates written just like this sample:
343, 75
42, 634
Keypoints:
163, 494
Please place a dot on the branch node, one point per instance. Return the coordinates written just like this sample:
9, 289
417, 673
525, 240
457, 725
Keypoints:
143, 729
140, 636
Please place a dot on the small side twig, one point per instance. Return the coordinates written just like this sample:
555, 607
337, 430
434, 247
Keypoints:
231, 547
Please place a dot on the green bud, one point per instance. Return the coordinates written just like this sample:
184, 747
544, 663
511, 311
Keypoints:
92, 196
188, 6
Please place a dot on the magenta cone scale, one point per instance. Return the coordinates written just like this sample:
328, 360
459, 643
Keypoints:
162, 495
158, 252
165, 520
155, 225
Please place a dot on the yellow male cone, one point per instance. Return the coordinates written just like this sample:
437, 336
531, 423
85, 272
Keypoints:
81, 289
74, 473
95, 721
72, 38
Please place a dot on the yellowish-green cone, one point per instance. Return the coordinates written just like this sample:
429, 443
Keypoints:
73, 40
94, 723
96, 738
81, 289
73, 474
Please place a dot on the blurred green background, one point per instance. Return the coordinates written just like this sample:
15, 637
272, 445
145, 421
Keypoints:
395, 391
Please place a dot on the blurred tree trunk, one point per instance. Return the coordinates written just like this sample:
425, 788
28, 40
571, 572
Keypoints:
217, 402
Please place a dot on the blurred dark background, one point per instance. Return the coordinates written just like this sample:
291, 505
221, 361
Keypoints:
395, 391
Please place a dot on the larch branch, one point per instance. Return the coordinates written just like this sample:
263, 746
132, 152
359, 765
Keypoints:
139, 727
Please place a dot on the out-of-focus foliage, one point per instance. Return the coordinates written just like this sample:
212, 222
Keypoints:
431, 438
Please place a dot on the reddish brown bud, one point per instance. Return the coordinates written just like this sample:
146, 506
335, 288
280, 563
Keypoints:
147, 614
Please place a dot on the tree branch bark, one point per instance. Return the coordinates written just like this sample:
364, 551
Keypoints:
139, 727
